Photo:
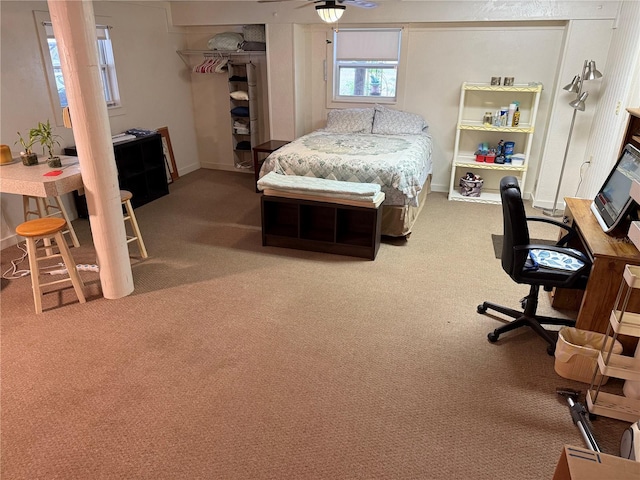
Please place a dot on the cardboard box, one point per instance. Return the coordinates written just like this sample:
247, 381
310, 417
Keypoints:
582, 464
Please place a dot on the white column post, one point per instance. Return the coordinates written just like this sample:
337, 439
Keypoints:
75, 30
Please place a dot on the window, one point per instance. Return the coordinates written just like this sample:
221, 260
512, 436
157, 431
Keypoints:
105, 58
365, 67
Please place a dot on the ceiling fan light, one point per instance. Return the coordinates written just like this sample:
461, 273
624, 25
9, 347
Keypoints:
330, 12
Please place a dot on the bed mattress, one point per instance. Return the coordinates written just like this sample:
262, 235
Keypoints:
400, 164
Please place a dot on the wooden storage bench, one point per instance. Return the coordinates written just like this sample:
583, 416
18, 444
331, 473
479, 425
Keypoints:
323, 216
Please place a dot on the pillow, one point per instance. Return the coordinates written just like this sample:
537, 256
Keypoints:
395, 122
226, 41
350, 120
558, 260
239, 95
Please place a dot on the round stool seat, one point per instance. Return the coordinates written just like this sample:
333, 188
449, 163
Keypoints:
125, 195
40, 226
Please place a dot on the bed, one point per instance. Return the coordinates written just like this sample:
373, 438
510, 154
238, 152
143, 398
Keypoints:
369, 145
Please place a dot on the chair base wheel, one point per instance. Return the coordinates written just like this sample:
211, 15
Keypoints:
482, 308
493, 337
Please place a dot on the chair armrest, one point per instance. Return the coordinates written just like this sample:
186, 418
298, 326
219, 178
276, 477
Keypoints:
571, 232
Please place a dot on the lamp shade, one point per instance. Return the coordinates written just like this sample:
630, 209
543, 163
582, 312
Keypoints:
574, 86
592, 71
578, 103
330, 12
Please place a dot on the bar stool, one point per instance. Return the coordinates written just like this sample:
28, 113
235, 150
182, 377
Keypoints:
49, 207
125, 199
49, 228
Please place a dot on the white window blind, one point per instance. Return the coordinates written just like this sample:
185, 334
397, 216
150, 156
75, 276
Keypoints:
363, 45
102, 31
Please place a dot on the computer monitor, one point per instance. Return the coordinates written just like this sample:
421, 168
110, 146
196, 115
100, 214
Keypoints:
613, 203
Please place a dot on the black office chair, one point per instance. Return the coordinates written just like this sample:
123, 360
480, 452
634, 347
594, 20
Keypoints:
534, 270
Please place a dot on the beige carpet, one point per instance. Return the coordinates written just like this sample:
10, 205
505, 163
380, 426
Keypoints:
236, 361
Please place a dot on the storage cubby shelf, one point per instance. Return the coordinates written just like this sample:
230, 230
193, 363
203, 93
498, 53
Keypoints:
320, 226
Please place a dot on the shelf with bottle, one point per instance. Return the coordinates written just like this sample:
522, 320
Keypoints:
493, 115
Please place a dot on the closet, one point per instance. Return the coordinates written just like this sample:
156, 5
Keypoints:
242, 73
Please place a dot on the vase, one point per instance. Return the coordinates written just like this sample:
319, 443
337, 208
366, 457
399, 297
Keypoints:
29, 159
54, 162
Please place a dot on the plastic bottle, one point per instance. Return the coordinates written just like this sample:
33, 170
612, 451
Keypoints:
496, 119
503, 116
512, 111
516, 117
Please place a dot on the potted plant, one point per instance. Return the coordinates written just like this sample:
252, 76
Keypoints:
44, 134
27, 155
375, 83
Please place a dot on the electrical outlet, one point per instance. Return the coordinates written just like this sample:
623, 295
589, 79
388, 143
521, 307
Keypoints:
618, 105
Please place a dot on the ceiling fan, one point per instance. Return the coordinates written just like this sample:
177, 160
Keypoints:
331, 10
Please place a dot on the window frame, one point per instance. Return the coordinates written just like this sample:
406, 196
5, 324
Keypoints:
114, 108
333, 100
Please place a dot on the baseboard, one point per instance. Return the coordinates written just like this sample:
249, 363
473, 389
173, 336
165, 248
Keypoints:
9, 241
225, 167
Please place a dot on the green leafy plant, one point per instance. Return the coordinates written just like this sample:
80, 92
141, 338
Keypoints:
27, 143
44, 134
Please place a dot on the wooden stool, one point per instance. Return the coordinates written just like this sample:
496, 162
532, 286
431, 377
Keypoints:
48, 207
125, 198
49, 228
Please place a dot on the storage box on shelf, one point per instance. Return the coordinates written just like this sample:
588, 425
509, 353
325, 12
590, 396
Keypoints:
621, 322
475, 100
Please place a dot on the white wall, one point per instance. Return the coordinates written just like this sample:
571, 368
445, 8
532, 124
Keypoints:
440, 58
586, 40
449, 42
621, 88
153, 92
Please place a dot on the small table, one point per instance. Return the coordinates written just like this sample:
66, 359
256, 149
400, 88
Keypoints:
266, 147
22, 180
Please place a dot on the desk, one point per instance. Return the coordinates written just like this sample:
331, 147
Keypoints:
19, 179
609, 255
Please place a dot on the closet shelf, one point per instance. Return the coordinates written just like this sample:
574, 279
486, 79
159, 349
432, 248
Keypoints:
185, 54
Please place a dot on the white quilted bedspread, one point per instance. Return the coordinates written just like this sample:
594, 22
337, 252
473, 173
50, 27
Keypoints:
400, 164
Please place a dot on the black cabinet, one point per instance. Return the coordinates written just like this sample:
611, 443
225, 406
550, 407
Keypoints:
141, 170
321, 226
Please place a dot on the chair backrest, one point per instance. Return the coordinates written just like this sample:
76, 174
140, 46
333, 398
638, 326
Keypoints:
515, 229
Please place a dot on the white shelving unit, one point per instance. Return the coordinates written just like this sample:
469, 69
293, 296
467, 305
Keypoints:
621, 322
475, 100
